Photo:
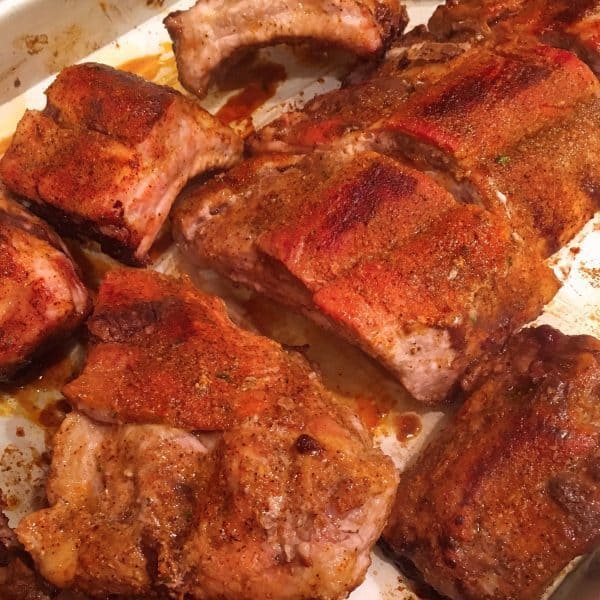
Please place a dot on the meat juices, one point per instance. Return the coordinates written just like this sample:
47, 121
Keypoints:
109, 153
214, 31
374, 250
509, 492
42, 298
285, 501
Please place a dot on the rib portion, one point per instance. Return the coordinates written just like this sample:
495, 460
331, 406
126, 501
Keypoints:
374, 250
163, 352
110, 152
42, 298
285, 501
509, 493
214, 31
574, 25
498, 86
341, 117
476, 129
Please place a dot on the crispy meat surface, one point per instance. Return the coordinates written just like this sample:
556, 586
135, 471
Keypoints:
509, 492
164, 352
537, 166
519, 89
376, 251
570, 24
214, 31
285, 501
110, 152
42, 298
342, 116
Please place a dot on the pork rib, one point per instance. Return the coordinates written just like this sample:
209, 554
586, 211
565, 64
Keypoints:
213, 31
42, 298
538, 166
570, 24
285, 502
376, 251
175, 358
341, 117
509, 493
110, 152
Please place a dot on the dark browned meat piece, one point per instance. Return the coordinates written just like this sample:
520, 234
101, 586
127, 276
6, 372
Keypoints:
286, 503
110, 152
476, 129
570, 24
213, 31
374, 250
42, 298
509, 493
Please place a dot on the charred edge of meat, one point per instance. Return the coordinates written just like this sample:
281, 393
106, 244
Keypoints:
74, 225
417, 583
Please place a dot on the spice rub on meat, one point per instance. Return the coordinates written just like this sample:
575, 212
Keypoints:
163, 352
109, 153
536, 163
285, 501
374, 250
509, 493
342, 117
42, 298
214, 31
570, 24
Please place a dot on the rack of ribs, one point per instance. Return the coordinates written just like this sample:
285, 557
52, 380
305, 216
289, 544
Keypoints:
109, 154
216, 31
537, 166
508, 494
569, 24
42, 298
285, 500
374, 250
341, 117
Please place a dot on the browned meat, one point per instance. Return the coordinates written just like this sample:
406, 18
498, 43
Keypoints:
537, 165
19, 582
375, 250
571, 24
42, 298
286, 502
342, 116
8, 540
175, 358
509, 493
214, 31
110, 152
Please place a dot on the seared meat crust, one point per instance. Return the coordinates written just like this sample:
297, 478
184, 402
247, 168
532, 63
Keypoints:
286, 501
509, 492
110, 152
42, 298
570, 24
175, 358
535, 166
214, 31
342, 117
374, 250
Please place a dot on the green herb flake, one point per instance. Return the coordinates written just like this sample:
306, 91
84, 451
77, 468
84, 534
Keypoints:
503, 160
